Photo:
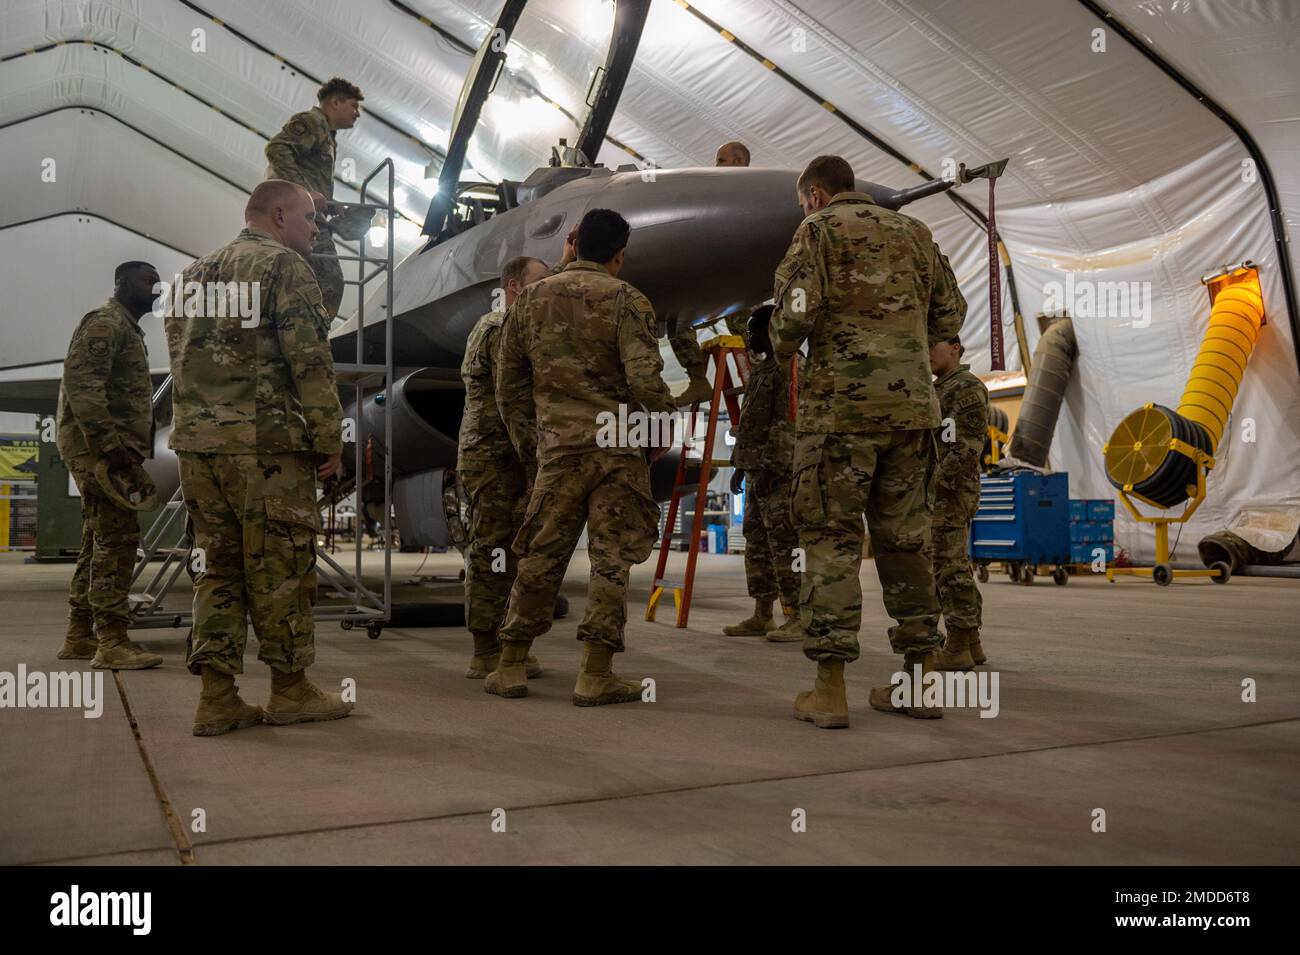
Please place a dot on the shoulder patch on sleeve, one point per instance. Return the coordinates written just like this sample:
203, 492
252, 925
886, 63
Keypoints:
97, 334
639, 305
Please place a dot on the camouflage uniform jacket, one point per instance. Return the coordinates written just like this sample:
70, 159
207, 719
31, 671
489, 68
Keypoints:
106, 396
964, 401
264, 389
483, 435
870, 292
303, 152
573, 346
765, 434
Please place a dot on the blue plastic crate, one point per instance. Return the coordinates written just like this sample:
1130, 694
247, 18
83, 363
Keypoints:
1101, 510
1085, 553
718, 538
1078, 511
1091, 532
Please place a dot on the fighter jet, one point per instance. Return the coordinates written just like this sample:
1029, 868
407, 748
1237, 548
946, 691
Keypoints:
704, 245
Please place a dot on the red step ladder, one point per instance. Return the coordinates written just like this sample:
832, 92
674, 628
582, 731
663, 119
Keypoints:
725, 389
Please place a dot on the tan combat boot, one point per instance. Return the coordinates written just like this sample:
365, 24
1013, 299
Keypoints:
826, 705
220, 708
699, 389
295, 699
956, 654
117, 652
789, 632
487, 656
80, 643
598, 684
881, 696
977, 651
510, 678
756, 625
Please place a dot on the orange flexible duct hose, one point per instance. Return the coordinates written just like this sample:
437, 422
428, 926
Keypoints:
1216, 375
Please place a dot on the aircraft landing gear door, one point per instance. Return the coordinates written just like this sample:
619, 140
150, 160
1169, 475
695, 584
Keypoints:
547, 70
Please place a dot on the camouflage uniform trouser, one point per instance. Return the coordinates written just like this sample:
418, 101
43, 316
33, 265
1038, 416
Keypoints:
254, 518
685, 343
110, 536
329, 273
889, 477
498, 497
770, 539
686, 348
953, 581
610, 493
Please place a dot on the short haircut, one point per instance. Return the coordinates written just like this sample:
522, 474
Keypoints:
734, 147
514, 269
601, 234
121, 271
832, 173
337, 86
271, 193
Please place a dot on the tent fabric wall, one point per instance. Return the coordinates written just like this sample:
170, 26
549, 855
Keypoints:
1116, 173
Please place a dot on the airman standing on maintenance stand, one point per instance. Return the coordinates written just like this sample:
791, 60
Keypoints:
304, 152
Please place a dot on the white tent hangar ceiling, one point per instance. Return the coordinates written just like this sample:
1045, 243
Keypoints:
156, 113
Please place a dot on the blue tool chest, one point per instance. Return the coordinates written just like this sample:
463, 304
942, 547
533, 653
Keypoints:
1023, 516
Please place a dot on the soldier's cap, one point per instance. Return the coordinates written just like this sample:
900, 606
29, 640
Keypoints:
130, 488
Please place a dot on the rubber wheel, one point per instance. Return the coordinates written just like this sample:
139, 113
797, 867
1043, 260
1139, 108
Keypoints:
1224, 572
982, 572
1027, 576
1060, 577
1013, 571
346, 624
373, 631
1162, 574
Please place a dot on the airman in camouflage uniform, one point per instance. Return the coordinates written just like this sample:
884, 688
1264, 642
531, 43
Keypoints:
105, 418
576, 346
256, 421
763, 455
682, 337
964, 405
494, 479
304, 152
869, 291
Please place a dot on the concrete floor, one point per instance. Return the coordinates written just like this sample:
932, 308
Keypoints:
1123, 697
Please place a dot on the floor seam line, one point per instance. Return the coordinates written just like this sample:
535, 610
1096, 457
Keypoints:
173, 822
745, 782
63, 860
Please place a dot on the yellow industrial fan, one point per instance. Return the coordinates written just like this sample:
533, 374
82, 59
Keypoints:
1159, 456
